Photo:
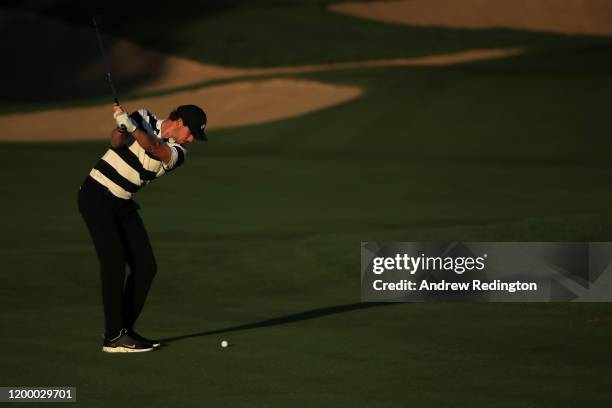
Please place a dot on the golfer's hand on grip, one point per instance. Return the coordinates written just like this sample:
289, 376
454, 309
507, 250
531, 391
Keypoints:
122, 119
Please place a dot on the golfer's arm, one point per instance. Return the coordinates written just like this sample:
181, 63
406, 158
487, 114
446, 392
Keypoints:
153, 145
118, 138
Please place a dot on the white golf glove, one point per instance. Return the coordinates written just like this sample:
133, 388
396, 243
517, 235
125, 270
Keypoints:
124, 121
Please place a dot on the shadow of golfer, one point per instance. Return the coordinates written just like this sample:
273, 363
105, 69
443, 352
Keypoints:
291, 318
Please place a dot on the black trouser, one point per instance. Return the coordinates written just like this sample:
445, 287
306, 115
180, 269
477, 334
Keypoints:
120, 238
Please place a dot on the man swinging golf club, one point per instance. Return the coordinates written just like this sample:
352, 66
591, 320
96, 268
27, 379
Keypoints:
143, 148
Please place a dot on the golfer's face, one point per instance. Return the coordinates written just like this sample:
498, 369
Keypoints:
182, 133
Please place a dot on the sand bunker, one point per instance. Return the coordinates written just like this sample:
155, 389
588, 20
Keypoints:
592, 17
179, 72
231, 105
428, 60
235, 104
183, 72
72, 76
81, 75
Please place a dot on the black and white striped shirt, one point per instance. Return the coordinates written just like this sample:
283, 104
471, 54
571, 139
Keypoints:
124, 170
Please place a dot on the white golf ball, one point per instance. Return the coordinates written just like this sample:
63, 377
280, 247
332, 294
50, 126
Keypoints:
224, 344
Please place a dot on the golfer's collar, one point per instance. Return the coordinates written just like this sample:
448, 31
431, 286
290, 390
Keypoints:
158, 126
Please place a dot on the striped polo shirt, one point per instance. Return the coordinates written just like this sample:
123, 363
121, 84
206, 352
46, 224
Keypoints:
124, 170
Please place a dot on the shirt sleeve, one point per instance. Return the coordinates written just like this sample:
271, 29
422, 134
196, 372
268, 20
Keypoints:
143, 119
178, 157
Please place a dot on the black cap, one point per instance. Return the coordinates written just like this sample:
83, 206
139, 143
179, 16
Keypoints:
194, 118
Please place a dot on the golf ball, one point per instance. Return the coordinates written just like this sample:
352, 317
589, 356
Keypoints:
224, 343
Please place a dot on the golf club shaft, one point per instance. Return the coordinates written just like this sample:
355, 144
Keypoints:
109, 78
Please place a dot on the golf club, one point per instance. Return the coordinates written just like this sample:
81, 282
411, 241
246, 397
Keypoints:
105, 61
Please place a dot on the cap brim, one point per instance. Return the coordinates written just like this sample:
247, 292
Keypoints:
199, 134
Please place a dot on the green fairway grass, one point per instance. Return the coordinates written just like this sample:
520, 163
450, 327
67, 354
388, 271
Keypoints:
257, 239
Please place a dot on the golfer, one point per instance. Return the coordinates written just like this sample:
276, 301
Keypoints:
143, 148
